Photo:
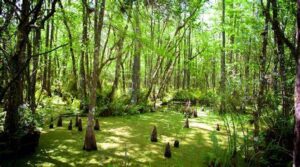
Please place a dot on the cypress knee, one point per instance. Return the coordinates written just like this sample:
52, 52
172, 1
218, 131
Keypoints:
154, 135
168, 151
186, 124
195, 113
51, 123
176, 143
218, 127
97, 126
59, 121
79, 125
70, 125
76, 121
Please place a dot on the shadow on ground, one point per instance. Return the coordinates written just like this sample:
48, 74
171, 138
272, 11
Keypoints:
125, 141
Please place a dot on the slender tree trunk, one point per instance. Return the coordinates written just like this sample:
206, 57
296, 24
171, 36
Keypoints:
281, 58
136, 68
49, 70
36, 50
84, 52
45, 57
90, 139
223, 63
296, 154
262, 81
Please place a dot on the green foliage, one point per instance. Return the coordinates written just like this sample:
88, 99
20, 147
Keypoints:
208, 98
29, 121
277, 144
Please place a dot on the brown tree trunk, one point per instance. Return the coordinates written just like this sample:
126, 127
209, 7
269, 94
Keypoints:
36, 50
136, 68
15, 94
296, 154
84, 52
45, 57
262, 83
281, 57
223, 63
90, 140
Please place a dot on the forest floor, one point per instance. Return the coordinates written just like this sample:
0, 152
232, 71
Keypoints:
125, 141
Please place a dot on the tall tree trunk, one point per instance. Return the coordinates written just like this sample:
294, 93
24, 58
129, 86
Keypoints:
45, 57
49, 70
36, 49
281, 58
84, 52
262, 81
136, 68
90, 139
15, 95
296, 154
223, 63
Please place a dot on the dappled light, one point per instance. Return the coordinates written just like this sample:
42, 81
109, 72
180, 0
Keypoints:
179, 83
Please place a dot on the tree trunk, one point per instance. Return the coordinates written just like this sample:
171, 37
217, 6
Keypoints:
136, 68
90, 140
84, 52
36, 50
15, 94
223, 63
262, 81
296, 154
281, 58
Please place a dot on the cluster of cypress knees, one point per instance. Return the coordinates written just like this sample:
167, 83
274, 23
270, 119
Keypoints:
78, 123
167, 153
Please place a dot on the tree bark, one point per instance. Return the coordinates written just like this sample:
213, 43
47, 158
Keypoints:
223, 62
281, 58
15, 96
262, 81
296, 153
84, 52
136, 68
90, 140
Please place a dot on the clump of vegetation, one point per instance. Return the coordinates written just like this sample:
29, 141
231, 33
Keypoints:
208, 98
277, 143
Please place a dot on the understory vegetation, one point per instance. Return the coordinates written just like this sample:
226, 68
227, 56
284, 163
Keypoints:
150, 83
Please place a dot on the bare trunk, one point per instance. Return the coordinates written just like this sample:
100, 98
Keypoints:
136, 68
223, 63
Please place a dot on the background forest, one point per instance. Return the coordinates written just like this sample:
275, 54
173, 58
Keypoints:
233, 59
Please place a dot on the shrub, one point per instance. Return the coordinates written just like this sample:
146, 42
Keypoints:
208, 98
278, 140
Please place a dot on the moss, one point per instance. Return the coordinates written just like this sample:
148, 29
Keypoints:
126, 140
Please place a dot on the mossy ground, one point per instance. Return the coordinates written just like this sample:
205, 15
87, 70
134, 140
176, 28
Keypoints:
125, 141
